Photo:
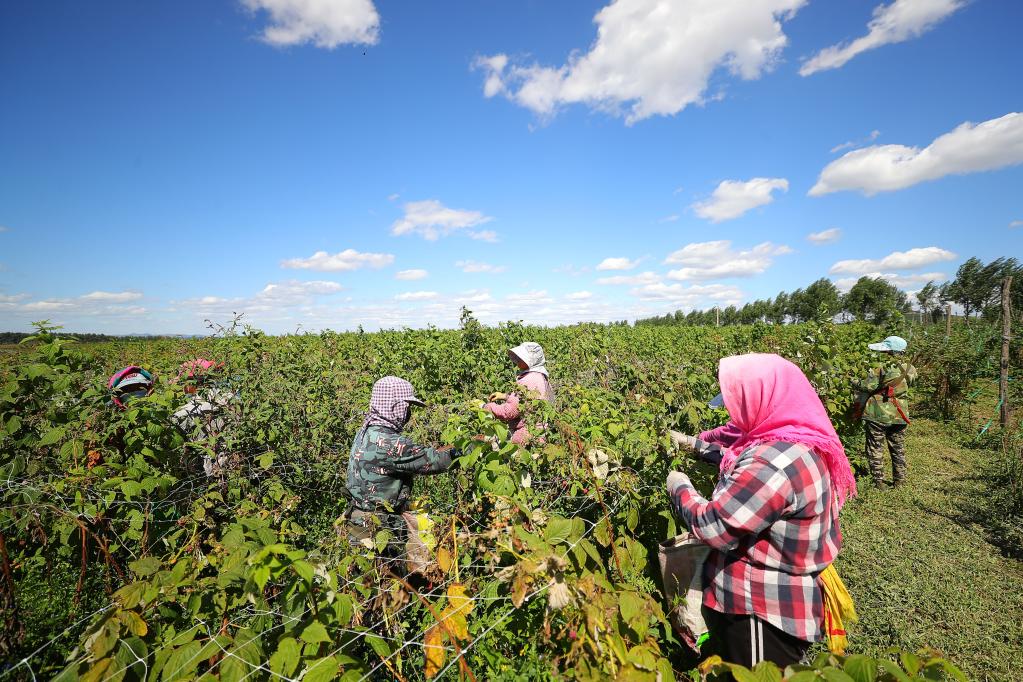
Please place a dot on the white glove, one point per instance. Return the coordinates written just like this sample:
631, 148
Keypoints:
681, 440
675, 480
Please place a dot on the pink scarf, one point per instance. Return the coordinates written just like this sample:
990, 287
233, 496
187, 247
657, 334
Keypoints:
770, 399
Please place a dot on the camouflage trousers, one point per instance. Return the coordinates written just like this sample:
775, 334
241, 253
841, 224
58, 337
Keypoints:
895, 435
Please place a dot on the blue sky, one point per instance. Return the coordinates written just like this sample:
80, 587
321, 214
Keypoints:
331, 163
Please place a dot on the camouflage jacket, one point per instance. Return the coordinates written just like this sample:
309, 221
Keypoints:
383, 463
876, 405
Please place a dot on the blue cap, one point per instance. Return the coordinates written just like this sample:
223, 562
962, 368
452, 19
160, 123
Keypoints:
717, 401
895, 344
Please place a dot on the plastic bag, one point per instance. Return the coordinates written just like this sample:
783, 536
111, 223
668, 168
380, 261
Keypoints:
838, 610
681, 560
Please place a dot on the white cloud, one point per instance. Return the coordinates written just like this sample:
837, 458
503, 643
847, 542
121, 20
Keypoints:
825, 236
969, 148
113, 297
47, 305
4, 229
669, 218
617, 264
894, 23
393, 197
693, 296
417, 296
411, 274
717, 260
293, 290
432, 220
1016, 223
650, 57
472, 266
874, 134
483, 235
529, 298
579, 296
901, 281
647, 277
897, 260
732, 198
344, 261
324, 23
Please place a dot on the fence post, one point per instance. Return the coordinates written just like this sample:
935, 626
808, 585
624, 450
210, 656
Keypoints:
948, 321
717, 317
1003, 377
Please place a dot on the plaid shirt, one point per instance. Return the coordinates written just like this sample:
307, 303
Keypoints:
772, 529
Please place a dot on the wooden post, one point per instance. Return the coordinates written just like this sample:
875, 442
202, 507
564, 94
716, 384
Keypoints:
948, 321
1003, 375
717, 317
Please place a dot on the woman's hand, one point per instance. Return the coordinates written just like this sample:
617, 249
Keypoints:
497, 396
675, 480
683, 441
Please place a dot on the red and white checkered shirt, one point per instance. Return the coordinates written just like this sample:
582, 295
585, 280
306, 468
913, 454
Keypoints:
772, 528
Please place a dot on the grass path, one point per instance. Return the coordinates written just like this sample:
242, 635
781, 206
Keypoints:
921, 569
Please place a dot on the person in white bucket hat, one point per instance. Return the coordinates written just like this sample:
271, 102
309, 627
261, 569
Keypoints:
883, 405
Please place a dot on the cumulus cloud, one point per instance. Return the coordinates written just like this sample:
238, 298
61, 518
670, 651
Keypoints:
344, 261
579, 295
617, 264
647, 277
718, 260
483, 235
411, 274
970, 148
825, 236
894, 23
874, 134
293, 290
732, 198
417, 296
897, 260
650, 57
471, 266
113, 297
431, 220
323, 23
901, 281
692, 296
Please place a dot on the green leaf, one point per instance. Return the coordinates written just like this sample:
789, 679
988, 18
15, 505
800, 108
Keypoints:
558, 530
893, 669
632, 607
835, 675
315, 632
183, 662
285, 659
305, 570
266, 460
322, 670
379, 646
766, 671
52, 436
861, 668
145, 566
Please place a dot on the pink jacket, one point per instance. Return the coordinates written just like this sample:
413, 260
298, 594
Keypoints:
723, 435
534, 383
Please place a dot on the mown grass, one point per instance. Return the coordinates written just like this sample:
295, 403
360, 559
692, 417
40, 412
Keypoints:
920, 566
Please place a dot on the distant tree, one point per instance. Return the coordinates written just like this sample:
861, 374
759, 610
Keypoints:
874, 300
780, 308
820, 297
927, 299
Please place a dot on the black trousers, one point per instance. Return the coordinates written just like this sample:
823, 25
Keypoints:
747, 640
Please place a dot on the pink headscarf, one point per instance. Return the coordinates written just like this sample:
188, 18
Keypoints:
770, 399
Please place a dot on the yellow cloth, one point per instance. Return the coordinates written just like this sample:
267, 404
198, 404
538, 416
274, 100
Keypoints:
838, 610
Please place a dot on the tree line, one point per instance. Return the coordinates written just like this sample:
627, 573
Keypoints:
976, 289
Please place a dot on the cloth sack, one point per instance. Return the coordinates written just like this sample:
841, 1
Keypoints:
681, 560
838, 610
420, 543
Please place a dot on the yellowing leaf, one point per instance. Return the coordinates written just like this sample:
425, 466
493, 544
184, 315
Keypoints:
436, 654
444, 559
458, 600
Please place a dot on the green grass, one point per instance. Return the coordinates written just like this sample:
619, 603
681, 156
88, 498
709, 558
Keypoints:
920, 566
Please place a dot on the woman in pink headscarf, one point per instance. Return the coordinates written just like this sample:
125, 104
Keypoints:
772, 521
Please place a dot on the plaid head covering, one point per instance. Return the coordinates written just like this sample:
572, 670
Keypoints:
388, 406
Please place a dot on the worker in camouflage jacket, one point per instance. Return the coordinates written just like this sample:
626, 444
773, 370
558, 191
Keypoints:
383, 464
884, 407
